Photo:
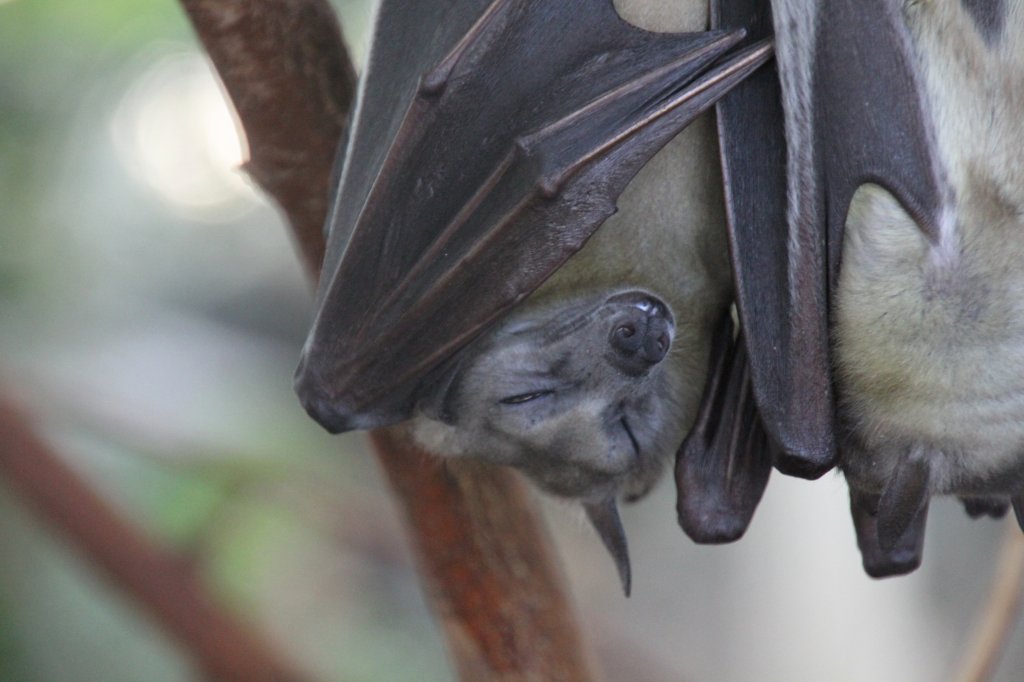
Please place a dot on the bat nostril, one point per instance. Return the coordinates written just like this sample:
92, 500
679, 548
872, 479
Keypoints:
656, 347
625, 338
639, 338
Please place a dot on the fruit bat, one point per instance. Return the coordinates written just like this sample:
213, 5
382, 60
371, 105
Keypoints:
883, 323
863, 186
862, 316
489, 141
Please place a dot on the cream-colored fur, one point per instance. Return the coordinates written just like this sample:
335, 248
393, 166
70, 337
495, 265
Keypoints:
929, 339
664, 15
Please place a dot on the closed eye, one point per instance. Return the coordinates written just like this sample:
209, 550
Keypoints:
525, 397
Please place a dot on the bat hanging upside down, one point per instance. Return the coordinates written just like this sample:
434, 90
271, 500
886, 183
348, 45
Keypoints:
869, 207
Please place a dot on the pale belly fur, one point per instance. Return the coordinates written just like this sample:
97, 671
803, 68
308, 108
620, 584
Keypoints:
928, 339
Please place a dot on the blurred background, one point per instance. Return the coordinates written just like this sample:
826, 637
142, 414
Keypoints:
151, 312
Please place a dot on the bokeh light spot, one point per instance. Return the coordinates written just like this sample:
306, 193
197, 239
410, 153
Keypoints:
175, 131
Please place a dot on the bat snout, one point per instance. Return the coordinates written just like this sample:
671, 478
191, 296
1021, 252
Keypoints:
640, 336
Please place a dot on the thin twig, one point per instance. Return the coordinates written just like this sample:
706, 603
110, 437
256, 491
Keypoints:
483, 553
1000, 613
159, 581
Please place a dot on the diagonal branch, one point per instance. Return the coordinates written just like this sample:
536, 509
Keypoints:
160, 583
290, 79
486, 566
483, 552
1000, 613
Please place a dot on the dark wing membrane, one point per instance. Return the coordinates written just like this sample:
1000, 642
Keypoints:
898, 558
854, 113
510, 148
407, 36
753, 150
723, 466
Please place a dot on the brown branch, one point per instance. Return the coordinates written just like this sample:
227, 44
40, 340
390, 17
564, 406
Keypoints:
290, 79
486, 565
1000, 612
483, 552
159, 581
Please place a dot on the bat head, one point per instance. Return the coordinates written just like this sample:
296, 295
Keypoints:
583, 397
579, 396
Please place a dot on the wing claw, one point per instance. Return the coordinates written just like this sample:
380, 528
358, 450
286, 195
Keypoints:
723, 466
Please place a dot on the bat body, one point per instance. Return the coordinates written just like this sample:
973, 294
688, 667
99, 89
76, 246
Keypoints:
550, 391
883, 322
490, 139
546, 390
929, 333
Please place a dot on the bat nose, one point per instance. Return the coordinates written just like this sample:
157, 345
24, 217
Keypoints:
640, 337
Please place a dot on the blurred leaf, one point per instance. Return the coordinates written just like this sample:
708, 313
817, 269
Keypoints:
84, 23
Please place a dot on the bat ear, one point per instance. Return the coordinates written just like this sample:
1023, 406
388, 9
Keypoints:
604, 516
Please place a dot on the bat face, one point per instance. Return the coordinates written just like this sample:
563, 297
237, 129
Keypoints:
579, 396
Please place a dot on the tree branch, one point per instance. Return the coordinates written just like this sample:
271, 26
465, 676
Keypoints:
484, 554
159, 581
1000, 613
486, 565
290, 79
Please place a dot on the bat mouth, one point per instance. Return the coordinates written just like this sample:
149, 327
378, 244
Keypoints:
629, 434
